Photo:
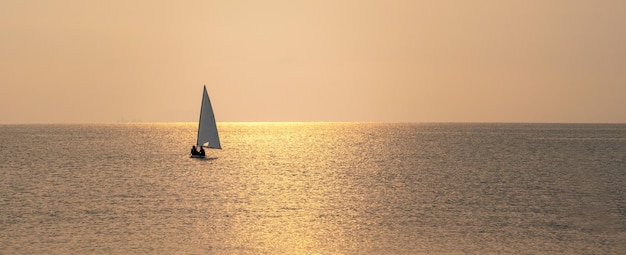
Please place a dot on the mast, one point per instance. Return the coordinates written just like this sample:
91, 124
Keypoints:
198, 142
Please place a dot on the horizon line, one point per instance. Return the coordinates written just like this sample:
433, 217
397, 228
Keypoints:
278, 122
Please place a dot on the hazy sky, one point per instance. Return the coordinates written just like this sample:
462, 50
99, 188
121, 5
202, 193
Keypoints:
409, 61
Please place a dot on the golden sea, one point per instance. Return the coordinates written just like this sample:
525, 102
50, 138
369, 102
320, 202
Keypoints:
314, 188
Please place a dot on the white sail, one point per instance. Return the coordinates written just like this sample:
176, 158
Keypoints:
207, 129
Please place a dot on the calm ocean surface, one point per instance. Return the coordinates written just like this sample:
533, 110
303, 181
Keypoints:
307, 188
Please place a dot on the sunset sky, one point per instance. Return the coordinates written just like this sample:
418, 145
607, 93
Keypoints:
77, 61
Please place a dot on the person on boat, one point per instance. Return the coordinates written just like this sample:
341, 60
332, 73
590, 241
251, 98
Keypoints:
194, 151
201, 151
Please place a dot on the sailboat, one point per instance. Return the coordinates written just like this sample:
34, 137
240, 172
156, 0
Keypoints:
207, 129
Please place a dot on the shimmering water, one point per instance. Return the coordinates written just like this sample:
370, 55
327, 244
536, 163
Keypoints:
328, 188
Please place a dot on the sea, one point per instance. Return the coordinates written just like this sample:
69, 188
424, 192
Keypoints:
314, 188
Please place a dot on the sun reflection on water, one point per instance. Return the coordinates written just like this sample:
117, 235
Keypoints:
286, 197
